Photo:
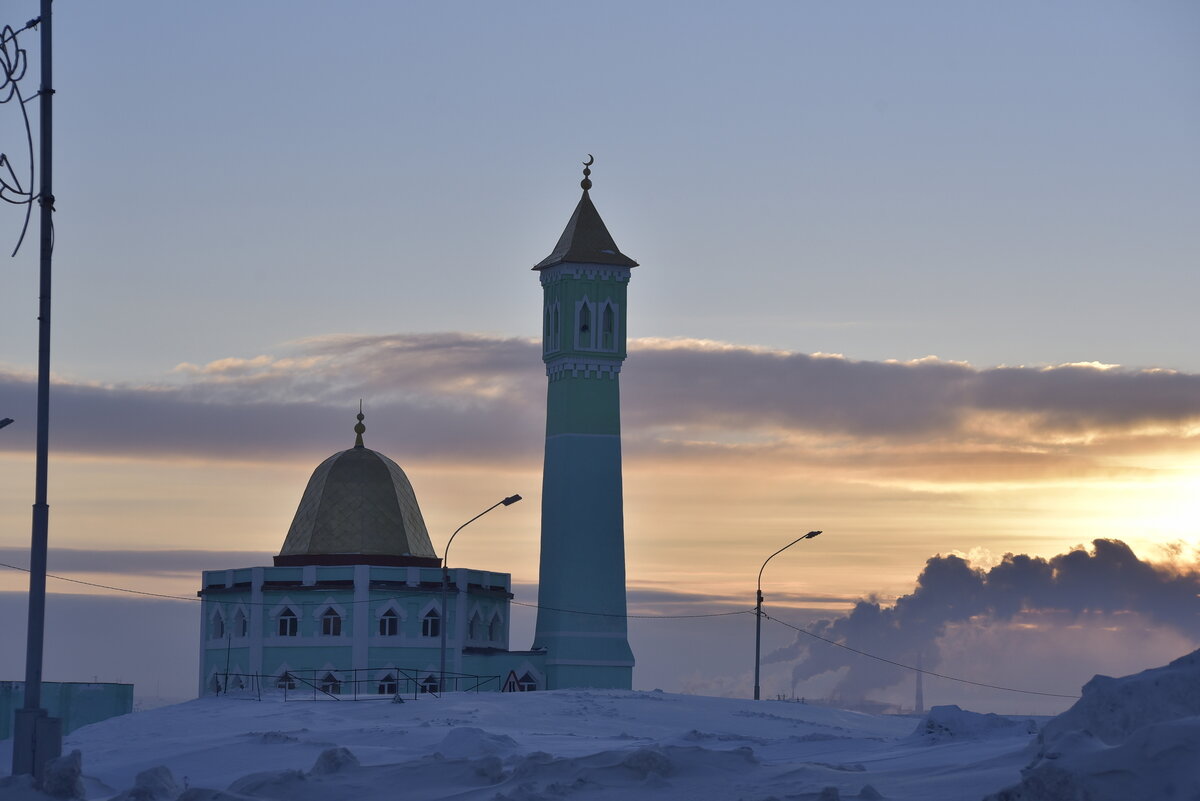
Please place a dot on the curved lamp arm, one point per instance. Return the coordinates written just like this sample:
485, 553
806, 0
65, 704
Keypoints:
807, 536
509, 501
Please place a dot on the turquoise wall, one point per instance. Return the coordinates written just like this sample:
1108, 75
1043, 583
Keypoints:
581, 578
77, 703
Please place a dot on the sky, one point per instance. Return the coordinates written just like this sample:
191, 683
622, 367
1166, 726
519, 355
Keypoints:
919, 275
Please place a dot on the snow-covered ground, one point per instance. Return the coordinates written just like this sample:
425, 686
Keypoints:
587, 744
1136, 737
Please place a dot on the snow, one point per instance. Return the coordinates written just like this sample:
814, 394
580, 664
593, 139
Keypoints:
1136, 737
586, 744
1132, 737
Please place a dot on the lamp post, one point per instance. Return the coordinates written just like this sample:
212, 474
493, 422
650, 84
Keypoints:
758, 607
509, 501
37, 738
5, 421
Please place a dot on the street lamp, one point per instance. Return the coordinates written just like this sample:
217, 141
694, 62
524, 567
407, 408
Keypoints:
509, 501
758, 608
5, 421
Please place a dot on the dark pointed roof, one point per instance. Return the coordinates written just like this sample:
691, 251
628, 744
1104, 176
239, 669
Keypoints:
586, 240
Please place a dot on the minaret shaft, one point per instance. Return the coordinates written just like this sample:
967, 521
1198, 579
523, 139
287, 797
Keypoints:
581, 594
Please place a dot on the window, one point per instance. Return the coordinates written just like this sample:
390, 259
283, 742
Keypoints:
239, 624
287, 623
429, 684
286, 682
218, 626
388, 685
585, 323
608, 326
330, 684
555, 327
495, 629
431, 624
527, 683
389, 624
331, 623
474, 627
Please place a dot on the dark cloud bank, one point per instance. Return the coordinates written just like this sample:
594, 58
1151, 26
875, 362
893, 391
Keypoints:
457, 397
1109, 580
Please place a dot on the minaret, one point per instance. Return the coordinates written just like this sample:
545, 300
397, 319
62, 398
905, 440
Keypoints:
583, 527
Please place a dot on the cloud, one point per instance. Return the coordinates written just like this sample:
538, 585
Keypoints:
464, 397
1102, 584
137, 563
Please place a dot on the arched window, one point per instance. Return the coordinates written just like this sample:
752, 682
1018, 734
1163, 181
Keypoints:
585, 323
330, 684
388, 685
239, 624
429, 684
431, 624
286, 681
527, 683
495, 628
288, 626
475, 626
555, 327
608, 328
389, 624
331, 623
218, 626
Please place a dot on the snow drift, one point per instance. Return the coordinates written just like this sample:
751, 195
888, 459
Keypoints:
1132, 737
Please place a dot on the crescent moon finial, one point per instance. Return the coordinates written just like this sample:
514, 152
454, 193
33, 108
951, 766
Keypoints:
586, 183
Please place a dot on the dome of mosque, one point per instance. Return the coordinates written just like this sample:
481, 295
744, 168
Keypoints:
358, 508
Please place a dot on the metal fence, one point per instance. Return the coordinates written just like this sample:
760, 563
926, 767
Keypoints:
355, 684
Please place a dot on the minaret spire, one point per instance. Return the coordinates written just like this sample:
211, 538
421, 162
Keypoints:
359, 428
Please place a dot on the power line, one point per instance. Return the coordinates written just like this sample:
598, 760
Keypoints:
367, 600
912, 668
104, 586
582, 612
638, 617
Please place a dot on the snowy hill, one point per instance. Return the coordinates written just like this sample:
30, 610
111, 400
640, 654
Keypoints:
539, 746
1132, 737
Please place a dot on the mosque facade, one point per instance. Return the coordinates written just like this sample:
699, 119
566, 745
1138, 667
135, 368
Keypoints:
353, 603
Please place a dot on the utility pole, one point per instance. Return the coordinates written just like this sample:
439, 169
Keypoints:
37, 738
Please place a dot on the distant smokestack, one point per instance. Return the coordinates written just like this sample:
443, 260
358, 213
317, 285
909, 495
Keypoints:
920, 703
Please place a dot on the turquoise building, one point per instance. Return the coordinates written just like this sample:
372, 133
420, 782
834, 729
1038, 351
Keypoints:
354, 601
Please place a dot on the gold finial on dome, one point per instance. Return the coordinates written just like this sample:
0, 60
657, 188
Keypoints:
359, 428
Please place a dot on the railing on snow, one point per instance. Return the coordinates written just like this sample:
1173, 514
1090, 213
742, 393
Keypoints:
363, 684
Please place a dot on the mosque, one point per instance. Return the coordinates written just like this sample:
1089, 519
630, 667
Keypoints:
358, 601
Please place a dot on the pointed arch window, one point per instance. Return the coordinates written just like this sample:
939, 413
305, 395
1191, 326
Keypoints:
330, 684
286, 681
429, 684
288, 625
239, 624
218, 626
556, 327
585, 321
475, 626
431, 624
331, 623
388, 685
527, 683
608, 328
389, 624
495, 628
